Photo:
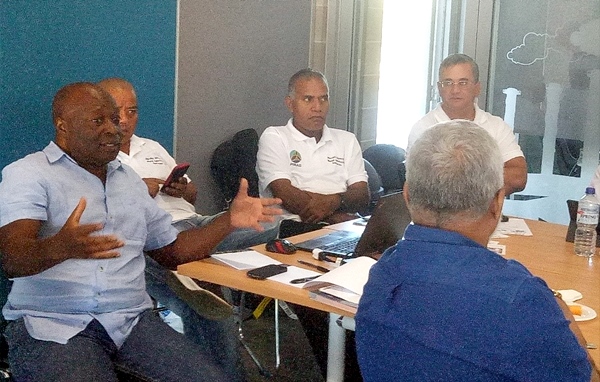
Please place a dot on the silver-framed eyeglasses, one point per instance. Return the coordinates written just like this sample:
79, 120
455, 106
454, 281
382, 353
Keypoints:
450, 83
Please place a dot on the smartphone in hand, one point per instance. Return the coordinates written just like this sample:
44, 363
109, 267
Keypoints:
177, 172
267, 271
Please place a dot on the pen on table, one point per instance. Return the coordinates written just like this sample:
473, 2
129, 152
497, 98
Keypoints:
317, 267
303, 280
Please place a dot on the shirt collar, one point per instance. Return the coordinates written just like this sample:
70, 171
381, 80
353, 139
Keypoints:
441, 116
415, 232
54, 153
135, 145
298, 136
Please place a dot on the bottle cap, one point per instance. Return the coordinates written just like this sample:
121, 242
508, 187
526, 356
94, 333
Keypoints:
590, 190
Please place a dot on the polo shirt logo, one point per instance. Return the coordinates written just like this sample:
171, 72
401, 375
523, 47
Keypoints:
338, 161
295, 156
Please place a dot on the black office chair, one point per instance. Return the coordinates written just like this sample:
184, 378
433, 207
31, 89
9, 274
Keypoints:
375, 187
388, 161
232, 160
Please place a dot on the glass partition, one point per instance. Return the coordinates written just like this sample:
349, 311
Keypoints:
545, 82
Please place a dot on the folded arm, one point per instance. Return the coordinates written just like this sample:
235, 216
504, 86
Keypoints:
313, 207
515, 175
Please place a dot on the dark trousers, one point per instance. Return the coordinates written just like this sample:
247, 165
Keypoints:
153, 351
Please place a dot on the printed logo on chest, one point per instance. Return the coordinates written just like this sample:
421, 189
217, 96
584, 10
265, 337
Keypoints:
296, 158
338, 161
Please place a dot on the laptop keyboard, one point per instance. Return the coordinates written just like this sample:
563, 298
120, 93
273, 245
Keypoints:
342, 246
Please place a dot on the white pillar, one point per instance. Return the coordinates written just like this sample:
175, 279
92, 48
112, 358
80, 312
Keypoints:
510, 105
553, 92
591, 135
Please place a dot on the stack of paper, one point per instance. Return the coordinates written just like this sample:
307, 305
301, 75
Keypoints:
249, 259
343, 286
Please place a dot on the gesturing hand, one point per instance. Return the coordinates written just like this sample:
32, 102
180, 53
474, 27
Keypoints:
77, 240
248, 212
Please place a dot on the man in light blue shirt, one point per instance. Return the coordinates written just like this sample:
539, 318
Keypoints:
75, 224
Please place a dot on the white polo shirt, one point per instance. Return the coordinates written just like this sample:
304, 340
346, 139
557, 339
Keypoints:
326, 167
150, 160
495, 126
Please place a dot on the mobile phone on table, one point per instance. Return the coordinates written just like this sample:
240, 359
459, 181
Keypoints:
266, 271
177, 172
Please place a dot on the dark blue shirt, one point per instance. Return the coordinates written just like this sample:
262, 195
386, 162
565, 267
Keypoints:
440, 307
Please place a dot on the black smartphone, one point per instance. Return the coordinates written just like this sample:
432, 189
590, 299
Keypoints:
267, 271
177, 172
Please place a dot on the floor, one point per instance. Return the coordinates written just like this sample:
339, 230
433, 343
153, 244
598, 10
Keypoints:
297, 362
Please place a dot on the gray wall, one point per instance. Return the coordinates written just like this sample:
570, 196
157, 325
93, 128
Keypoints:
235, 58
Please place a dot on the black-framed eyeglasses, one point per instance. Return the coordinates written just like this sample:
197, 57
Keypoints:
450, 83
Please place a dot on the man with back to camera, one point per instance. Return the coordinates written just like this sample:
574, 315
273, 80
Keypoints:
317, 171
459, 87
319, 174
440, 306
74, 226
153, 164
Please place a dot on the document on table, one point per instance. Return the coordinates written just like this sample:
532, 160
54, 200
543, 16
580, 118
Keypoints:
513, 226
248, 259
293, 273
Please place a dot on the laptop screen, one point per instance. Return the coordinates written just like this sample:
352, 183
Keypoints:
384, 228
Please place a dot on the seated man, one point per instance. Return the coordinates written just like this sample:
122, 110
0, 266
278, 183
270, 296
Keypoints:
459, 86
153, 164
317, 171
439, 306
319, 174
74, 228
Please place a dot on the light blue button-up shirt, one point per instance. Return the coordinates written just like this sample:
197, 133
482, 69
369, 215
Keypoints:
59, 302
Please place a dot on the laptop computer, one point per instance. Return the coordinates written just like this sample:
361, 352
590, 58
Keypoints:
572, 206
384, 228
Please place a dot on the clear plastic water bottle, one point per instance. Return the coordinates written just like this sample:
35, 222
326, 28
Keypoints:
587, 219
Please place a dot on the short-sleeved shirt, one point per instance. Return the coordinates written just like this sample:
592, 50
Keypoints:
326, 167
150, 160
440, 307
61, 301
495, 126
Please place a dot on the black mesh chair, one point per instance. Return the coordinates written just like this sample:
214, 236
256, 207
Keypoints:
375, 187
388, 161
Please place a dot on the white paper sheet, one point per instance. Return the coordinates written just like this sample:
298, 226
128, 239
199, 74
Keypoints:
245, 259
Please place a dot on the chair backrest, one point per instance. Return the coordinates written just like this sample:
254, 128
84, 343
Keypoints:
388, 161
375, 187
235, 159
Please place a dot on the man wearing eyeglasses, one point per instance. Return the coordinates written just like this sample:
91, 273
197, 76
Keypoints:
458, 87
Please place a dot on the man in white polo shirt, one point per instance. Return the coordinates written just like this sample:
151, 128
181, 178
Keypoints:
319, 174
317, 171
459, 86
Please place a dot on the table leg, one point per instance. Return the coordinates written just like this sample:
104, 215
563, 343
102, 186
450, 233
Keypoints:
336, 350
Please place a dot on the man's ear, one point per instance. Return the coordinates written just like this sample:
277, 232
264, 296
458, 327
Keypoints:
59, 123
288, 103
477, 89
405, 193
497, 203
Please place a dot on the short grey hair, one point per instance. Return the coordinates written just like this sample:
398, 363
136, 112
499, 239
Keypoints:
454, 170
459, 58
304, 74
